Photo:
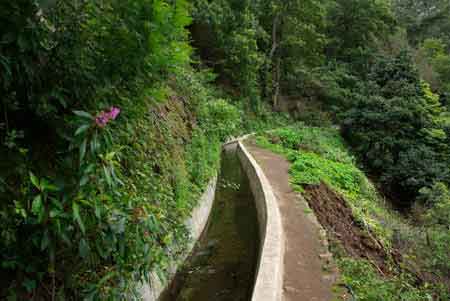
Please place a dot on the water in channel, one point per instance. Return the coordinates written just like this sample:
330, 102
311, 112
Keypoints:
223, 263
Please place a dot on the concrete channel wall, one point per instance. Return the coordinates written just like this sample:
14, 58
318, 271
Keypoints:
269, 276
196, 224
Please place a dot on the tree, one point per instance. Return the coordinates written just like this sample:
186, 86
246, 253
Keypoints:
297, 39
264, 45
356, 25
395, 126
424, 19
434, 55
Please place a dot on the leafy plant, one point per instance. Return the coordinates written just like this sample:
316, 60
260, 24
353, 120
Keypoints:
318, 155
395, 121
365, 283
88, 207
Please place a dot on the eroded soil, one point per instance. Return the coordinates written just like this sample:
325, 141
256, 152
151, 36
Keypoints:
336, 217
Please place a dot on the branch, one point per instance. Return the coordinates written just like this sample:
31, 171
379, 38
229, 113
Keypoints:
274, 36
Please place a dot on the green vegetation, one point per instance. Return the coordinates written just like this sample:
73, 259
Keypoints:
261, 45
319, 155
370, 82
110, 138
424, 19
112, 115
394, 121
366, 284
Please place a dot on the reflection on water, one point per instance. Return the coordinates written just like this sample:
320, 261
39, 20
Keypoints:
223, 263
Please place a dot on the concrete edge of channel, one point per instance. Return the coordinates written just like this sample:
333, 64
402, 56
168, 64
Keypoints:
269, 275
270, 269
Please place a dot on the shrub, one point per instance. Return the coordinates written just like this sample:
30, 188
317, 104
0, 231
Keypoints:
395, 126
219, 118
90, 205
367, 285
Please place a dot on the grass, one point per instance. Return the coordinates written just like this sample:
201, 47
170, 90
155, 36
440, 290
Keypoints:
319, 155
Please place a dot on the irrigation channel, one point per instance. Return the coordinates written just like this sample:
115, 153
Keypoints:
223, 263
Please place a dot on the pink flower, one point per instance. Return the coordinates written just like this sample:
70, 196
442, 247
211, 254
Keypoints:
114, 112
103, 117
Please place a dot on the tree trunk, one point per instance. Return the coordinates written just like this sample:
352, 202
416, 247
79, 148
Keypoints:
276, 84
276, 70
274, 36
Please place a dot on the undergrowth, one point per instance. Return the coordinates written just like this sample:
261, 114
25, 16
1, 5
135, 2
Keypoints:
108, 137
320, 155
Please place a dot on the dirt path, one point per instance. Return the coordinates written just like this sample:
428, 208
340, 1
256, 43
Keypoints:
306, 277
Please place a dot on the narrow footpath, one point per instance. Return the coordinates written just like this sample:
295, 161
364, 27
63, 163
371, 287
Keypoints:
307, 275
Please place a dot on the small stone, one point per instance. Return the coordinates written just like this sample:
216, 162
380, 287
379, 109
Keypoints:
323, 234
326, 256
329, 278
291, 289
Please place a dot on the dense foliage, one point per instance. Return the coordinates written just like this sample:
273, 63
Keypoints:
424, 19
355, 26
109, 139
110, 129
395, 125
263, 46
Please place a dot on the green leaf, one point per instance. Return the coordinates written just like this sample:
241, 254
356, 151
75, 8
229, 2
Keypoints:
65, 238
98, 210
85, 202
108, 138
36, 206
100, 250
77, 216
29, 284
35, 181
62, 102
84, 114
54, 213
59, 96
109, 156
45, 185
82, 129
106, 278
107, 176
94, 143
45, 240
83, 248
56, 203
89, 169
83, 150
84, 180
